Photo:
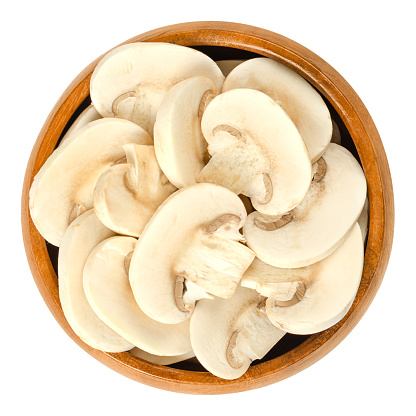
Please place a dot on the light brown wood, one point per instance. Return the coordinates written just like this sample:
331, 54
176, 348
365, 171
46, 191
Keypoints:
227, 40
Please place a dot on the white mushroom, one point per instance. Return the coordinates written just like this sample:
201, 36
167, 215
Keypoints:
180, 147
227, 65
310, 299
256, 151
88, 115
298, 98
107, 288
159, 359
189, 247
320, 223
228, 334
131, 81
79, 240
63, 187
127, 194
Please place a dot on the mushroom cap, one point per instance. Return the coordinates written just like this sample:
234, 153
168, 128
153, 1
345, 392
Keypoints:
228, 334
79, 240
298, 98
107, 288
177, 242
179, 143
68, 177
133, 79
329, 288
126, 195
251, 138
321, 222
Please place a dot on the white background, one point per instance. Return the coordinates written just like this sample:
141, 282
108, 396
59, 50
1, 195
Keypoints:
45, 44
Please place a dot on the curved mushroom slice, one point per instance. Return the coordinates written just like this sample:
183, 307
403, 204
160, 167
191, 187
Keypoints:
189, 247
88, 115
64, 185
127, 195
180, 147
79, 240
227, 65
131, 81
298, 98
107, 288
320, 223
227, 335
310, 299
161, 360
256, 151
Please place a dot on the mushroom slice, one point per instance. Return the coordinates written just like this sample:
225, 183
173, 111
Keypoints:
131, 81
126, 195
161, 360
88, 115
310, 299
297, 97
107, 288
256, 151
227, 65
79, 240
189, 247
227, 335
320, 223
181, 149
64, 185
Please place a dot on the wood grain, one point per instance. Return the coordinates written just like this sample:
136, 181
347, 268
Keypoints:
368, 144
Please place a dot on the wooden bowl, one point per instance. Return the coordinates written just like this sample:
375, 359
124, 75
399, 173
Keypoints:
222, 40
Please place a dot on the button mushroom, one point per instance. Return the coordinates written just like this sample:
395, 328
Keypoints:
298, 98
131, 81
107, 288
256, 151
310, 299
63, 187
79, 240
127, 194
320, 223
228, 334
189, 247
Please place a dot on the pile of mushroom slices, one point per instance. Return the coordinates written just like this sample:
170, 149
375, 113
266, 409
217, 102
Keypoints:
198, 214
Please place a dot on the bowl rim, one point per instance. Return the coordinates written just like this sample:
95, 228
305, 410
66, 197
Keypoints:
370, 150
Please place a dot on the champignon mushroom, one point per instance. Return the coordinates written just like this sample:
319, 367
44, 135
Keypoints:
320, 223
180, 147
127, 194
256, 151
228, 334
297, 97
161, 359
310, 299
107, 288
131, 81
79, 240
189, 247
63, 187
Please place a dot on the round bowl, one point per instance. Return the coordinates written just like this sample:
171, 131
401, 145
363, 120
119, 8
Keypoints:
222, 40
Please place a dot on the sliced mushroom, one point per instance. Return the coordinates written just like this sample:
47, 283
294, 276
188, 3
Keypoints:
297, 97
88, 115
107, 288
320, 223
189, 247
131, 81
227, 65
127, 195
310, 299
79, 240
180, 147
227, 335
161, 360
256, 151
64, 185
